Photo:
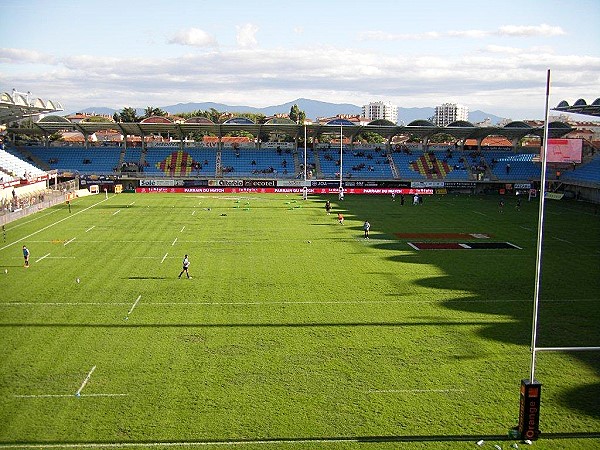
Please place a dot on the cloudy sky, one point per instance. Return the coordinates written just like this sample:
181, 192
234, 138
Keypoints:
491, 56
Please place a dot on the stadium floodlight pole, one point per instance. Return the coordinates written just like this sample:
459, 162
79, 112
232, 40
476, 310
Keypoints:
540, 236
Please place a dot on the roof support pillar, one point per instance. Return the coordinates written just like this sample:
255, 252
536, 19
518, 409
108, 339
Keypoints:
515, 143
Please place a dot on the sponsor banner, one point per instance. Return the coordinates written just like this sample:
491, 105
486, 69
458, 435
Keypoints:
553, 195
522, 185
372, 184
427, 184
292, 183
281, 145
97, 180
192, 183
259, 183
161, 183
8, 184
529, 409
216, 183
325, 183
361, 184
459, 184
277, 190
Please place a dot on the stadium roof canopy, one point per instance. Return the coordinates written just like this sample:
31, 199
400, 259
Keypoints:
421, 129
18, 105
580, 107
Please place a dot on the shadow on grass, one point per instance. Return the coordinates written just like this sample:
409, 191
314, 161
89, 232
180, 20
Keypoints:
248, 325
307, 439
502, 285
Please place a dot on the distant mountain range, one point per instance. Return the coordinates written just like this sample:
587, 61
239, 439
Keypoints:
312, 108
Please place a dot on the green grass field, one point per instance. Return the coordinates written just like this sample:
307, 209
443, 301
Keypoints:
294, 332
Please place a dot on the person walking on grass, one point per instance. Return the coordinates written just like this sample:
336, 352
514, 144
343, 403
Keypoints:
186, 265
366, 228
26, 256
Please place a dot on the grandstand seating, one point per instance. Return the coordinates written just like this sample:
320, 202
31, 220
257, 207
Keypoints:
193, 161
266, 163
257, 163
15, 167
414, 165
94, 160
358, 163
510, 166
587, 173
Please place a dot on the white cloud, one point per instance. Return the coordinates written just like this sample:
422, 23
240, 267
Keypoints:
469, 34
510, 78
194, 37
506, 31
246, 35
531, 30
502, 49
20, 55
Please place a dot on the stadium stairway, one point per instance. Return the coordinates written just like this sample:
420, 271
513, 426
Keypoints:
317, 161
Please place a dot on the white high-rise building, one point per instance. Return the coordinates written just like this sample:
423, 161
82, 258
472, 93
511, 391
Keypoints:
448, 113
380, 110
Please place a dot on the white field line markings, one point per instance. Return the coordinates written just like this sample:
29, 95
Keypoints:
51, 225
63, 304
134, 305
412, 391
45, 256
85, 381
131, 204
68, 395
116, 212
193, 212
480, 213
39, 216
174, 242
146, 257
90, 228
350, 302
525, 228
182, 229
164, 257
68, 242
562, 240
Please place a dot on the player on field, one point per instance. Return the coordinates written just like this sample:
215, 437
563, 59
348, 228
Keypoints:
366, 228
186, 265
26, 256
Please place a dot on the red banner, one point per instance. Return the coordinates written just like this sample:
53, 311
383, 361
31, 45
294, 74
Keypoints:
276, 190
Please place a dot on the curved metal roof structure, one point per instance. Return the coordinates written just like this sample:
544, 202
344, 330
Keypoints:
18, 106
580, 107
513, 131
